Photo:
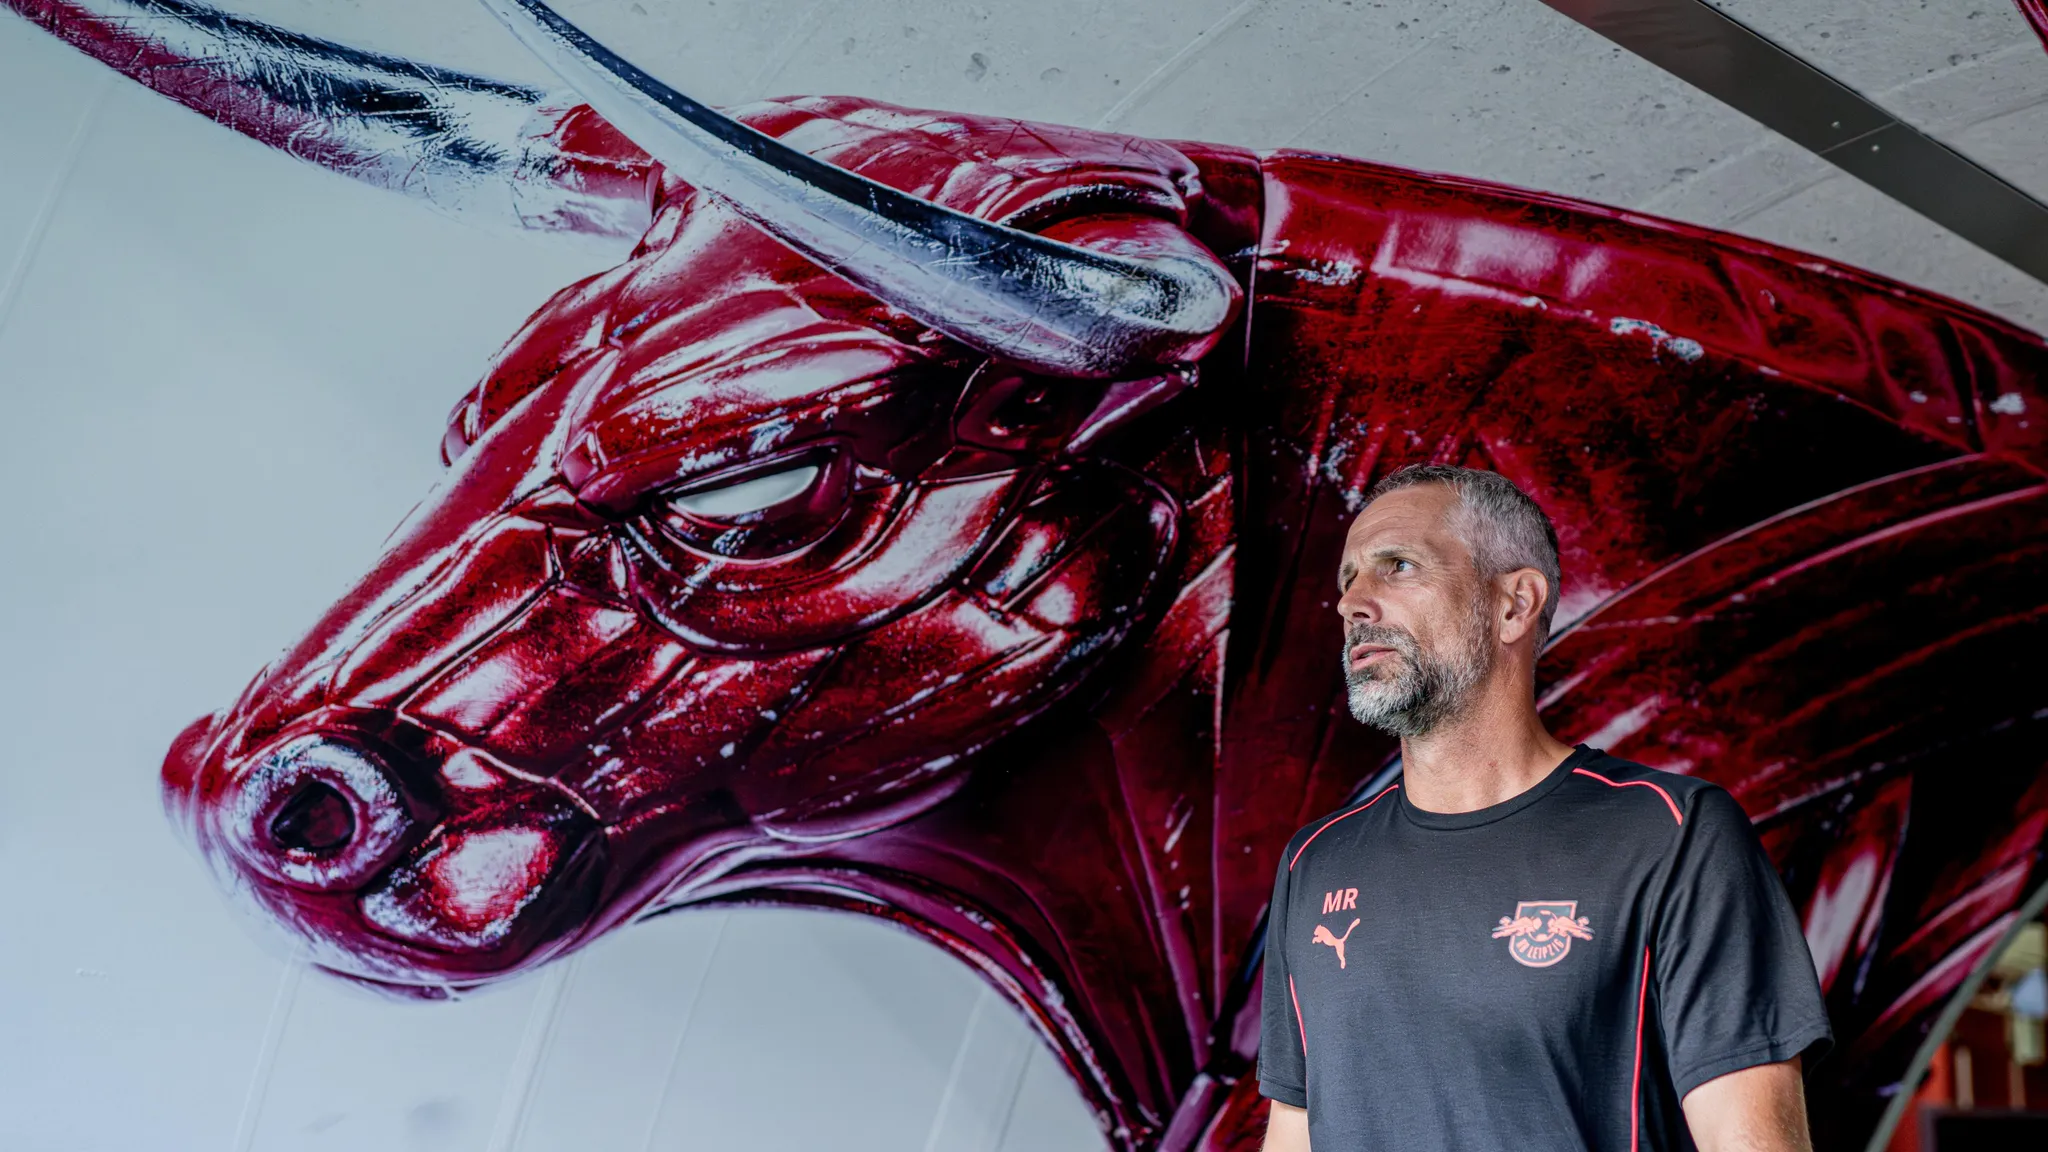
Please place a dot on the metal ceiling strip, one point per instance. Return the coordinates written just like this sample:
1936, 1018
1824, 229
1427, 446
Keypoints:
1713, 52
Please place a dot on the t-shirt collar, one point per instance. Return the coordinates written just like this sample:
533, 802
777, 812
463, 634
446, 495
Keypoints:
1580, 755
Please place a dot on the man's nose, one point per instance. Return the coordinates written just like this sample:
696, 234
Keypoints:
1357, 606
317, 812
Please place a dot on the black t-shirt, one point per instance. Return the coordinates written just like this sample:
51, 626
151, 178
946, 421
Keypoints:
1553, 972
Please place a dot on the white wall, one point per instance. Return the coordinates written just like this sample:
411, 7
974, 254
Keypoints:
222, 380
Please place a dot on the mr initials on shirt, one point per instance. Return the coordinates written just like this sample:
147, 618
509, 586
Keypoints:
1342, 900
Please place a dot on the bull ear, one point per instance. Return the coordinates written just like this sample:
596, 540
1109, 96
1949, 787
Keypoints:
476, 148
1124, 402
1055, 308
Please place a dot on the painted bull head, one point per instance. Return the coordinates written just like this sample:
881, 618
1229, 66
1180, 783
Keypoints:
738, 554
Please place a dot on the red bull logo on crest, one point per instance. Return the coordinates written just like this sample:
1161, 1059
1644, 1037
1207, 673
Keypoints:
1540, 933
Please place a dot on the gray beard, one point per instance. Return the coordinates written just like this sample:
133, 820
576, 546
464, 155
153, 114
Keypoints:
1421, 690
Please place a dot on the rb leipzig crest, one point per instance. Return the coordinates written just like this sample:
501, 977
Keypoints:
1540, 933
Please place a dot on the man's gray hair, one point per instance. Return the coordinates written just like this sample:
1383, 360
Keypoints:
1500, 524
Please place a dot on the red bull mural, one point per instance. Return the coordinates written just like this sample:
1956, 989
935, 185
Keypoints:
934, 517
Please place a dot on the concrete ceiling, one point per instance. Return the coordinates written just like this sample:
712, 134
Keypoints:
1505, 90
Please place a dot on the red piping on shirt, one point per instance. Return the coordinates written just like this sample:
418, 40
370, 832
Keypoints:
1635, 1088
1668, 802
1298, 1024
1318, 832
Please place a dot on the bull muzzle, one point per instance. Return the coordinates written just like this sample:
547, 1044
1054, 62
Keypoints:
350, 846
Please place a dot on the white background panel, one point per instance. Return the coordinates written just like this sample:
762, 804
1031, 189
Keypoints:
616, 1035
816, 1031
353, 1071
984, 1087
42, 145
1041, 1116
224, 376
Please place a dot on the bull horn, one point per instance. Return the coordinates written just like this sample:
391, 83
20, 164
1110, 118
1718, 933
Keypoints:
1051, 307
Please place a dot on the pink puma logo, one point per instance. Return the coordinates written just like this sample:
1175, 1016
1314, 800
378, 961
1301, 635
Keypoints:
1323, 936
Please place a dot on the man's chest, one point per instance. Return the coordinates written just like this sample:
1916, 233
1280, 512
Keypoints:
1471, 936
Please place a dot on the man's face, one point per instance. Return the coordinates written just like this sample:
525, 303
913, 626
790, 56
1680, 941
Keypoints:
1419, 632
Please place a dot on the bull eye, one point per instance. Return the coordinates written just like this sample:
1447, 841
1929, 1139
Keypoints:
748, 497
776, 507
1026, 408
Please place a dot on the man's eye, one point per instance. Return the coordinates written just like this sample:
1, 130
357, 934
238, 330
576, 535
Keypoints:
1400, 565
754, 494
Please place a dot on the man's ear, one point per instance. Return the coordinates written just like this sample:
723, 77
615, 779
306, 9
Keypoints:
1527, 591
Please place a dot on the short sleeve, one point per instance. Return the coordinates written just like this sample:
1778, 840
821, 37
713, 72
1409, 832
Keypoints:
1735, 982
1283, 1061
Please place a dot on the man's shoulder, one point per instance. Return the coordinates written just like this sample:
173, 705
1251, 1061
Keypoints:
1665, 797
1355, 806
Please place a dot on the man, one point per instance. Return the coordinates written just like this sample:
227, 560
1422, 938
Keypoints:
1521, 944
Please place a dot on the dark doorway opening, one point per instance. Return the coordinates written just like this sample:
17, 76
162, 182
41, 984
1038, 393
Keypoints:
1981, 1080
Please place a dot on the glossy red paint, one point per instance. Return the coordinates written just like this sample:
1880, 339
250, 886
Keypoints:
1043, 669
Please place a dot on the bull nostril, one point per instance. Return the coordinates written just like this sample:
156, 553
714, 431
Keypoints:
316, 819
320, 812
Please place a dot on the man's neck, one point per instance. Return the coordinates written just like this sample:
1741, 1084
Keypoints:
1492, 751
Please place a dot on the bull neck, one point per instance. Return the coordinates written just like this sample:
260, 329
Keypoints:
1446, 821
